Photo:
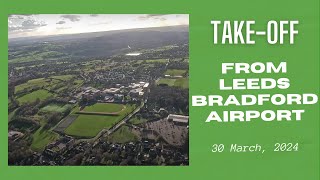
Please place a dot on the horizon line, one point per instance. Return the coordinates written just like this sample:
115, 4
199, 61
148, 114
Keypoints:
91, 32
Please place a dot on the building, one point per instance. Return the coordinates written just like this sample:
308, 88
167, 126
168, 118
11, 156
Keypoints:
134, 85
111, 91
73, 101
14, 135
178, 118
146, 86
119, 97
136, 92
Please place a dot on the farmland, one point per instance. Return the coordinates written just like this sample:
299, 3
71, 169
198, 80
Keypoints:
33, 96
34, 83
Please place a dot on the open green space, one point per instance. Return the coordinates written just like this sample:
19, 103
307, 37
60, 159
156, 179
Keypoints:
168, 81
137, 120
31, 97
41, 138
91, 125
179, 82
11, 115
175, 72
122, 135
37, 56
54, 107
153, 61
104, 107
34, 83
63, 77
48, 83
182, 82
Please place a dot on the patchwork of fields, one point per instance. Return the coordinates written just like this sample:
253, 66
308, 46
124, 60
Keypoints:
88, 122
33, 96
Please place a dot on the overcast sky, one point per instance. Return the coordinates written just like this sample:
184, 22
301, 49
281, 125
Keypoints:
51, 24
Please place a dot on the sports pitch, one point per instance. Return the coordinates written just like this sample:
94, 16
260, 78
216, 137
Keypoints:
90, 125
104, 107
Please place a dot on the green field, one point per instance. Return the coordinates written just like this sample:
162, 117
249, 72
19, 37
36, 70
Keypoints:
153, 61
32, 56
56, 107
179, 82
32, 84
31, 97
48, 83
169, 82
91, 125
104, 107
63, 77
137, 121
175, 72
41, 138
182, 82
123, 135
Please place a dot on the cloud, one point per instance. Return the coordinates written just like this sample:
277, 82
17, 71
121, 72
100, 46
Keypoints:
12, 15
94, 15
61, 28
100, 23
61, 22
153, 16
72, 18
16, 16
25, 25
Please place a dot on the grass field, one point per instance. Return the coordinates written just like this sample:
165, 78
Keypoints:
31, 97
169, 82
104, 107
123, 135
182, 82
48, 83
153, 61
137, 121
41, 138
91, 125
63, 77
179, 82
10, 115
175, 72
56, 107
32, 83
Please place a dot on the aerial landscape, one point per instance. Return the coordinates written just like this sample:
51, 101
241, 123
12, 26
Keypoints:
98, 97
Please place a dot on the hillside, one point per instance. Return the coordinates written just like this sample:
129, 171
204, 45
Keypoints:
98, 44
